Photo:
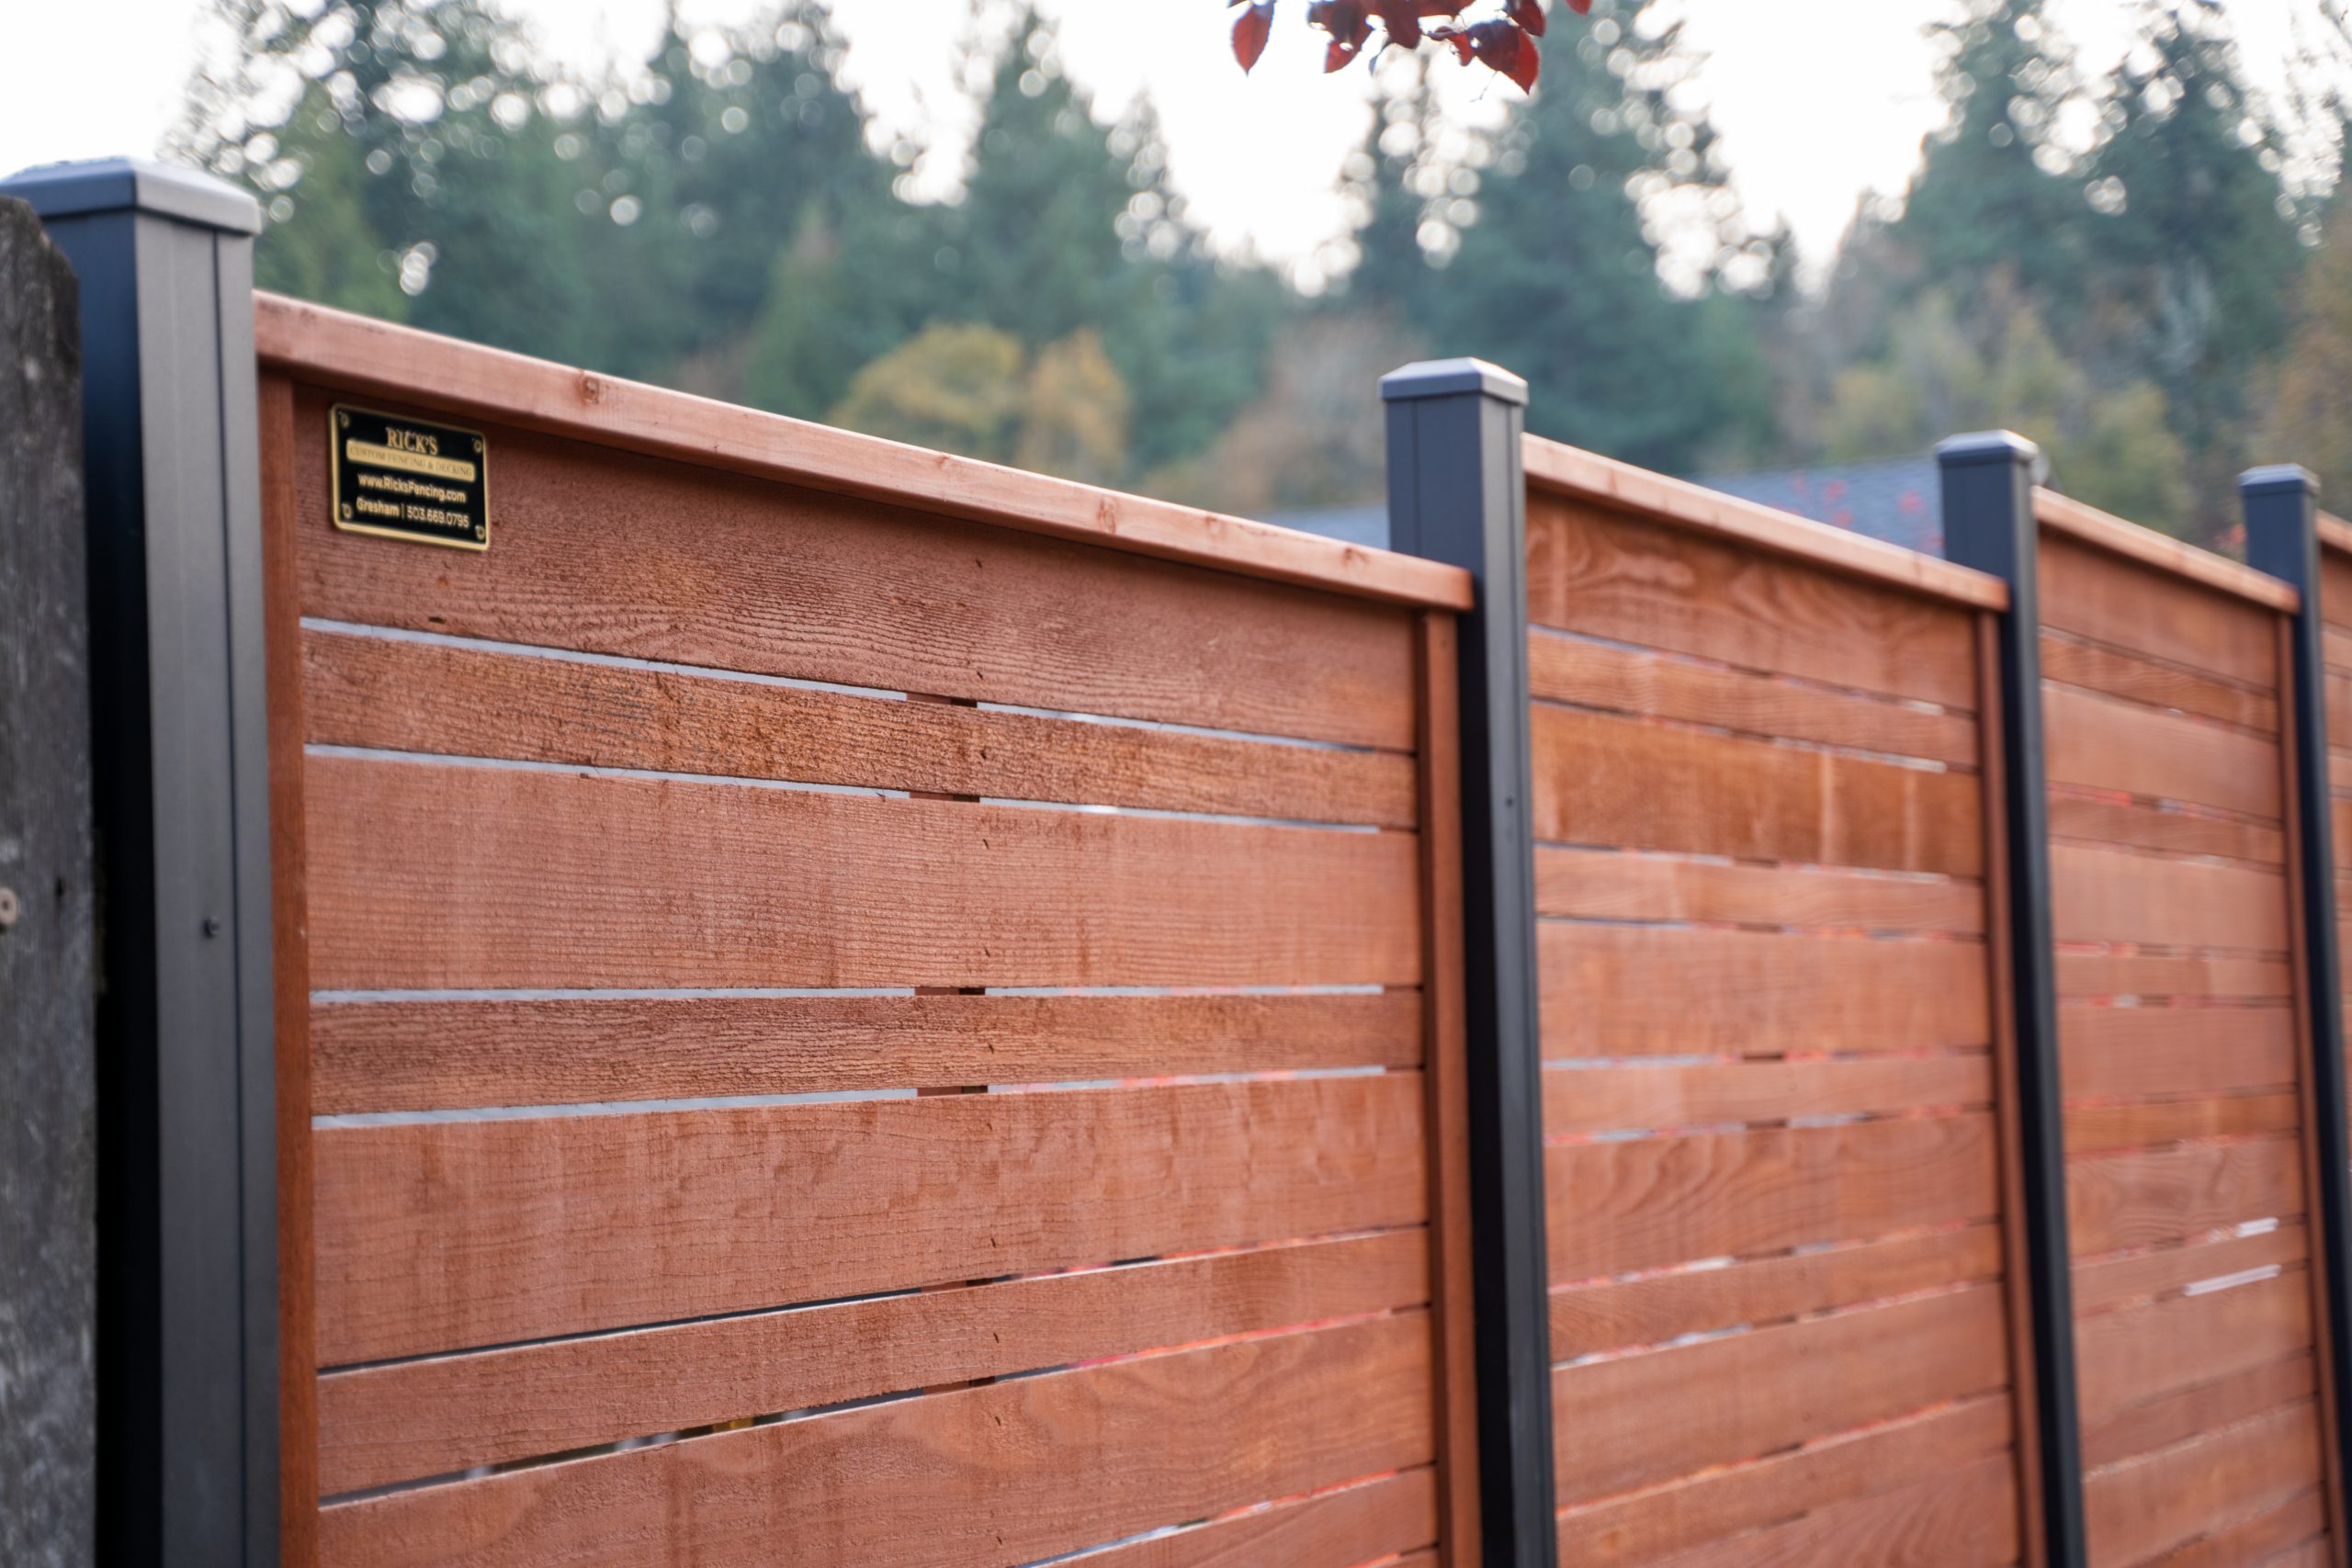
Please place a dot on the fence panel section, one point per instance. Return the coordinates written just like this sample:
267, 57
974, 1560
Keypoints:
2182, 1047
841, 1034
1780, 1155
2335, 644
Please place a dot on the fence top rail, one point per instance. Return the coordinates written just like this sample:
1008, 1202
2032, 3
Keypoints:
2064, 515
1569, 471
2334, 533
401, 363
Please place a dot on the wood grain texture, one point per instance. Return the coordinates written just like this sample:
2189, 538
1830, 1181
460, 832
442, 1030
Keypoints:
2114, 1282
2099, 821
2180, 1417
420, 1056
1606, 573
412, 696
1608, 885
2097, 1129
441, 1236
2147, 1505
2100, 743
426, 875
2155, 1196
2156, 1350
1634, 991
986, 1477
776, 581
1654, 1525
2071, 661
1649, 1417
1648, 684
2106, 1052
316, 344
1602, 780
1962, 1519
2299, 1519
1588, 1319
436, 1416
1616, 1208
1335, 1529
2150, 977
2113, 896
1583, 1101
2156, 612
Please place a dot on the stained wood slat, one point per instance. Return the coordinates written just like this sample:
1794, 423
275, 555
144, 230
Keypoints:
2111, 896
1612, 1100
2116, 1280
1336, 1529
1650, 1526
1613, 885
441, 876
2166, 975
2133, 826
2202, 1408
1632, 990
988, 1477
439, 1416
1608, 574
778, 581
2142, 1354
441, 1236
1637, 1422
421, 1056
2106, 1052
2148, 1199
1587, 1319
1602, 780
2073, 662
2100, 743
2299, 1519
2147, 1505
2097, 1129
415, 696
2168, 560
1615, 1208
2335, 648
1962, 1519
1646, 683
2140, 609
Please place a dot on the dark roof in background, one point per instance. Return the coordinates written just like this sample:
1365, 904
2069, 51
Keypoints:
1899, 499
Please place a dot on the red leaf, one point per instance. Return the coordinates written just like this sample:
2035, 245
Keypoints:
1501, 45
1581, 7
1250, 31
1401, 19
1529, 14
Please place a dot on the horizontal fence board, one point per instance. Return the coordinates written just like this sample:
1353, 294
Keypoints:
1961, 1519
1616, 1208
412, 696
1615, 1100
2076, 663
431, 875
435, 1416
1587, 1319
1610, 884
1653, 1525
988, 1477
1624, 991
2099, 743
1335, 1529
1608, 574
2138, 1355
2107, 1051
2137, 1509
2097, 1129
775, 580
2164, 1420
2301, 1519
1625, 783
2140, 609
2112, 895
1637, 1420
422, 1055
1650, 684
2136, 1199
2133, 826
442, 1235
2179, 976
2135, 1276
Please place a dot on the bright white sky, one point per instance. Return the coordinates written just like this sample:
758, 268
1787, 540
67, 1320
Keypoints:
1819, 100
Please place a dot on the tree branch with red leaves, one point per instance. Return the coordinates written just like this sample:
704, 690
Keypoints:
1504, 42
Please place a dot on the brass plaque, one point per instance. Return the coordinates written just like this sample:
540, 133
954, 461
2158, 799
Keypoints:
405, 479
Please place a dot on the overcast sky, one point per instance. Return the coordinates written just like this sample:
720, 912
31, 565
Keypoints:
1819, 100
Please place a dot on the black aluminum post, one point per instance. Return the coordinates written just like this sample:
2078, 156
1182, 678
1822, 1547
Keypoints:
2282, 538
1457, 493
188, 1197
1989, 524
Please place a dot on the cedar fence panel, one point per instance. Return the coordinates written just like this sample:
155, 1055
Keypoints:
854, 1007
1782, 1199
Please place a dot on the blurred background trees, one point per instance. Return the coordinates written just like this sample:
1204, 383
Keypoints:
2145, 271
